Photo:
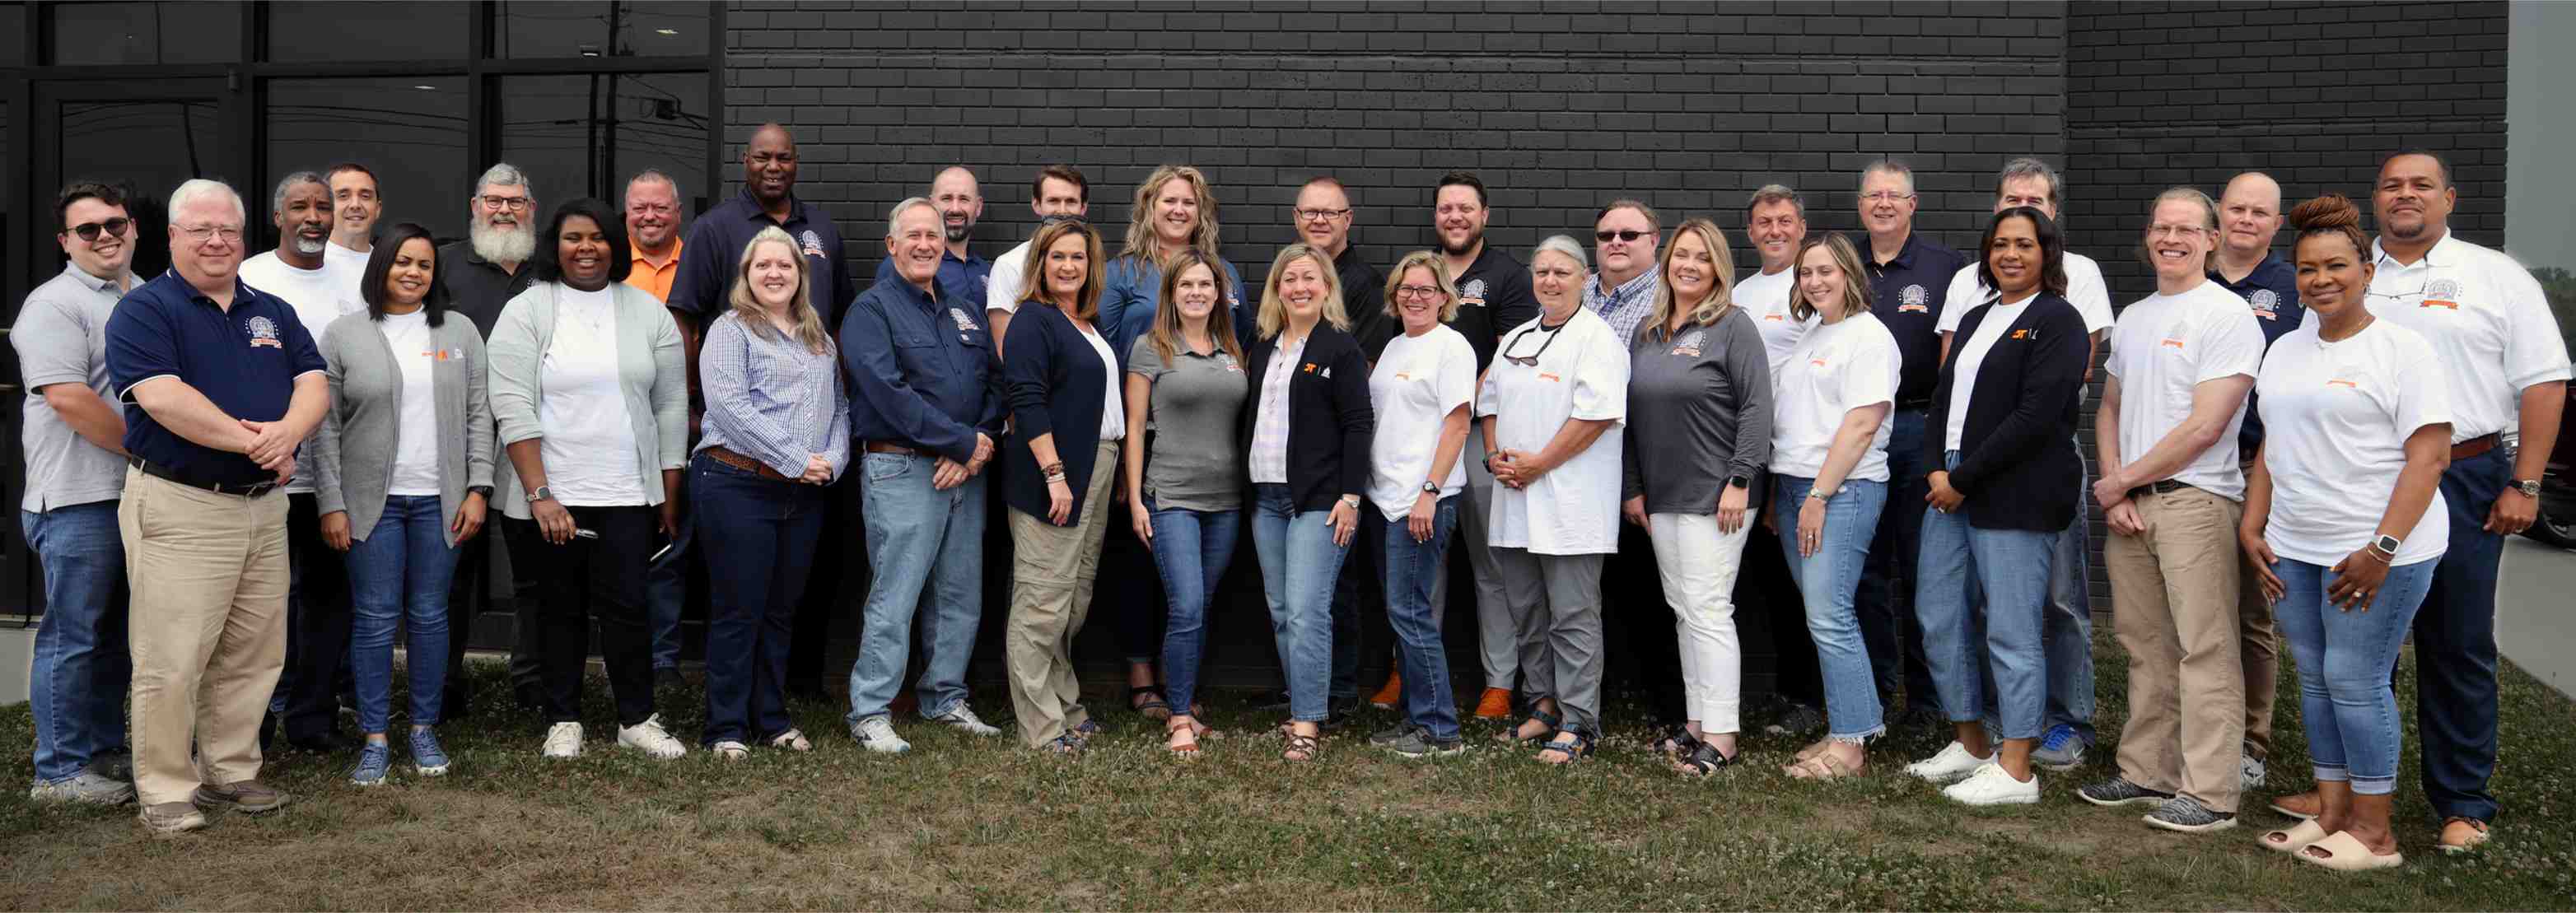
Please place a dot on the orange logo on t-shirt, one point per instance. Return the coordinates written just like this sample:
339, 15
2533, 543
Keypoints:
2176, 343
1542, 375
2439, 303
2340, 382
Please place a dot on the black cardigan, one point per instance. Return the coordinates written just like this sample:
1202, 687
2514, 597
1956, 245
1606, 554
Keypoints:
2017, 462
1056, 386
1329, 419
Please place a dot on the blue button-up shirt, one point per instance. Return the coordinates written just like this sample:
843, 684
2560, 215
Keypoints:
922, 371
964, 277
245, 359
1906, 294
1133, 288
2272, 289
714, 247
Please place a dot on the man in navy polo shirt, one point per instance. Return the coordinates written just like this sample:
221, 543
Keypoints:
2249, 215
221, 383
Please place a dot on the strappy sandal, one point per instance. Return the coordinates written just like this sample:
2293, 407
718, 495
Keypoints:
1512, 736
1821, 766
1702, 761
1301, 749
731, 750
1152, 707
1084, 732
1576, 750
791, 740
1676, 742
1175, 733
1815, 749
1066, 744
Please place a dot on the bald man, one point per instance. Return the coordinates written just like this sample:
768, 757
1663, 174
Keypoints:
960, 201
2249, 215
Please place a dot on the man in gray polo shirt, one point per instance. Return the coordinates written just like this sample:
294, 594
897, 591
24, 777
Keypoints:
75, 455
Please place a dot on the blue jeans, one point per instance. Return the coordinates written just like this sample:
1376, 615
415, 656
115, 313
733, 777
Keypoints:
2345, 661
1411, 567
1980, 600
1191, 550
77, 688
666, 590
922, 542
1299, 565
2455, 648
1827, 581
760, 544
399, 575
2066, 631
1885, 600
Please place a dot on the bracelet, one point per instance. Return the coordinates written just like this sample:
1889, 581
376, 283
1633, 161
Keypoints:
1054, 469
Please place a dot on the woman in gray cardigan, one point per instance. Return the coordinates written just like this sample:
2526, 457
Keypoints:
590, 394
403, 468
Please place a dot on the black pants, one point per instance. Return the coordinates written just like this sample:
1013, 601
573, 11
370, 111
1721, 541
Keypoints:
588, 580
1767, 600
1640, 621
840, 565
317, 642
1130, 591
1359, 610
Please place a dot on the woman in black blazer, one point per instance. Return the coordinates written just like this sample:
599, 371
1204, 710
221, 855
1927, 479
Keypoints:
1306, 438
1061, 455
1999, 421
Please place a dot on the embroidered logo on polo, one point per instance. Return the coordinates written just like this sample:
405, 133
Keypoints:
1472, 294
964, 323
1913, 300
2442, 293
2266, 303
2340, 382
813, 243
263, 332
1689, 345
1226, 361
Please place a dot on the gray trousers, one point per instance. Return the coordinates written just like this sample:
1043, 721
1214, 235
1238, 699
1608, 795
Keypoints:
1555, 602
1497, 637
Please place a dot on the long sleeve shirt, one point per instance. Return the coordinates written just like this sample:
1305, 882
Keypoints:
772, 399
922, 372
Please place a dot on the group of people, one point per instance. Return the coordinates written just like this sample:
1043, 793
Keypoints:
1872, 441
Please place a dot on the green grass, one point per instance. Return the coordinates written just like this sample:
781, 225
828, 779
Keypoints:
962, 823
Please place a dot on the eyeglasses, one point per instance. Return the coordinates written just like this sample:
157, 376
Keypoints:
1886, 196
1323, 215
1531, 360
202, 233
88, 231
494, 202
1606, 237
1417, 291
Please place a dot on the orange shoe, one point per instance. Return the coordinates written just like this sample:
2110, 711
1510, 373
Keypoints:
1386, 697
1496, 704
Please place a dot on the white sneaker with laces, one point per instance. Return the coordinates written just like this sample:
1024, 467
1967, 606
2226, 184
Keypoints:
963, 719
1951, 765
876, 734
563, 740
650, 738
1990, 785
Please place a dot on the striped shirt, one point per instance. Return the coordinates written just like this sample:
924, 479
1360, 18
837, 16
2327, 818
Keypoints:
1626, 306
1270, 418
772, 400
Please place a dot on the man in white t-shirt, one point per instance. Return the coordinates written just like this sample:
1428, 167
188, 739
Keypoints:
1060, 192
2067, 632
2181, 362
1776, 222
299, 272
355, 207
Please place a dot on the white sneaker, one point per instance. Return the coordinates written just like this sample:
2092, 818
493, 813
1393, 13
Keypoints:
963, 719
1953, 764
1990, 785
563, 740
650, 738
876, 734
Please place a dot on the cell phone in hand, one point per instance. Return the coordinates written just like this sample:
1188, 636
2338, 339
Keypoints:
664, 550
580, 533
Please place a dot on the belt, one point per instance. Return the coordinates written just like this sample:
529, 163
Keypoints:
893, 448
2475, 446
1914, 405
2167, 486
250, 490
744, 463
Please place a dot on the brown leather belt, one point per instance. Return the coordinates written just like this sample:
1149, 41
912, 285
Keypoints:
897, 449
2475, 446
744, 463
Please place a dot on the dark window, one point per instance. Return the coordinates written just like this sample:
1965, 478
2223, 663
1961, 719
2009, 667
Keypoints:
150, 147
409, 131
115, 33
13, 46
301, 30
592, 29
585, 135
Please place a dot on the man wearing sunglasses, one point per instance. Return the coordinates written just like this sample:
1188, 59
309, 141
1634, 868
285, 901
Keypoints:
1625, 278
73, 442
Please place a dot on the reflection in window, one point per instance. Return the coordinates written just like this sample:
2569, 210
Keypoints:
301, 30
113, 33
593, 29
149, 147
585, 135
409, 131
2540, 213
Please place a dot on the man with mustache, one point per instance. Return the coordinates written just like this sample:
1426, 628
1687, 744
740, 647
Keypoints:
480, 275
652, 209
318, 612
960, 201
354, 208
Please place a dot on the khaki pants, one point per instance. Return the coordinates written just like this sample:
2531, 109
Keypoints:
1052, 568
208, 630
2174, 602
2262, 658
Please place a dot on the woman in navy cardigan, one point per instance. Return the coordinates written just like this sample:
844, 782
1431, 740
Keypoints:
1306, 438
2000, 417
1062, 452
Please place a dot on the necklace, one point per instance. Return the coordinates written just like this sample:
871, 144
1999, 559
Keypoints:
2324, 344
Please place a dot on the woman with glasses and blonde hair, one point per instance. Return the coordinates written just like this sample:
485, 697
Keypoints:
1699, 399
1550, 404
1306, 441
1422, 389
776, 431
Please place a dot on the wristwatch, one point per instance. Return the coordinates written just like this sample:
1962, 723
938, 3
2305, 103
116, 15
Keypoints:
1351, 501
2386, 545
1739, 482
543, 493
1430, 488
484, 490
1823, 495
2530, 488
1489, 460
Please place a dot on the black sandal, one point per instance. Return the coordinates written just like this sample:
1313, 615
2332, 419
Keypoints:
1305, 745
1549, 720
1703, 760
1152, 707
1677, 743
1576, 750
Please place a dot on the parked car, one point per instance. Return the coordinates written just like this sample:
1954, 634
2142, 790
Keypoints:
2557, 523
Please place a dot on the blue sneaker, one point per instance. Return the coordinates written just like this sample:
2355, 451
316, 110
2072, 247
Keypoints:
2061, 749
372, 762
427, 758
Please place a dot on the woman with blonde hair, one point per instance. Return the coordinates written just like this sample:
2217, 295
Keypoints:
1306, 441
1699, 404
776, 431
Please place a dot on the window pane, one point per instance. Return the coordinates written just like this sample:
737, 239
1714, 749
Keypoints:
149, 146
201, 31
622, 29
13, 46
585, 135
300, 30
410, 132
2540, 212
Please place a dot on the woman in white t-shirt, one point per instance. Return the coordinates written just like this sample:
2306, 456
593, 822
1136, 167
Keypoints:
1552, 404
2344, 521
590, 391
1829, 429
403, 468
1422, 388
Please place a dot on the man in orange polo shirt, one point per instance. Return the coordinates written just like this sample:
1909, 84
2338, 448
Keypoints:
653, 233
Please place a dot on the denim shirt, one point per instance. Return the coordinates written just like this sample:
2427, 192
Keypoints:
922, 372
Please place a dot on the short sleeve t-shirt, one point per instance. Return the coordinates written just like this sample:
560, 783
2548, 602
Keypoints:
1195, 461
1836, 368
1583, 374
1965, 360
2165, 347
61, 338
2486, 316
318, 296
1005, 285
1418, 381
1766, 297
416, 435
589, 440
2084, 289
2335, 421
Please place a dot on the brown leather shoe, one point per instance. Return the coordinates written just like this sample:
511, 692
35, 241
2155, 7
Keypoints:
2460, 835
171, 818
250, 797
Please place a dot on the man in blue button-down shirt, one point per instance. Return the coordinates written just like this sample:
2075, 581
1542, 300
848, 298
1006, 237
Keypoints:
926, 397
220, 383
960, 202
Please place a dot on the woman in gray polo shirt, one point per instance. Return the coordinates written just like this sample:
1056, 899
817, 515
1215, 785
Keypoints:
1185, 387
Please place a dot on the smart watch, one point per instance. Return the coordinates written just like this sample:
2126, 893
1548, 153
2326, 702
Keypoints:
542, 493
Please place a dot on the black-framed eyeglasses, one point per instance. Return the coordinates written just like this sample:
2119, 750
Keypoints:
88, 231
1319, 215
1606, 237
1417, 291
1531, 360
